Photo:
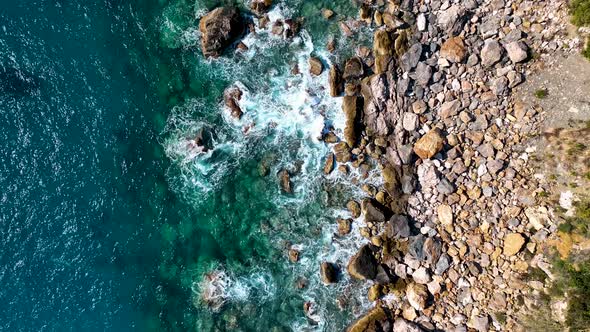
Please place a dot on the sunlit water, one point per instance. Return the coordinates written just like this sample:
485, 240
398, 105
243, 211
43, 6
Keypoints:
109, 220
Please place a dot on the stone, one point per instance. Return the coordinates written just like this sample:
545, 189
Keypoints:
411, 58
260, 7
231, 97
430, 144
398, 227
421, 22
354, 208
371, 321
410, 121
421, 276
453, 49
353, 69
293, 255
517, 51
500, 86
219, 29
327, 13
344, 226
382, 43
513, 242
491, 53
417, 295
374, 292
316, 67
350, 108
363, 265
452, 19
342, 153
443, 264
445, 214
374, 212
432, 250
335, 81
402, 325
480, 323
423, 74
285, 180
329, 164
328, 273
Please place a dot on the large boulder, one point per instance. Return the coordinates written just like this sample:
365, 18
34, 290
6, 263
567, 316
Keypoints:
375, 212
350, 107
430, 144
354, 68
363, 265
219, 29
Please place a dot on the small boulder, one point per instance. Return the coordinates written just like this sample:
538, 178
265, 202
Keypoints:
491, 53
329, 164
328, 273
372, 321
260, 7
430, 144
335, 81
398, 227
374, 212
354, 208
363, 265
315, 66
517, 51
453, 49
353, 69
417, 295
219, 29
344, 226
231, 97
513, 242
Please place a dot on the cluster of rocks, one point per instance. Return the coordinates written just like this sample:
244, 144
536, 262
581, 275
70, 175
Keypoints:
453, 228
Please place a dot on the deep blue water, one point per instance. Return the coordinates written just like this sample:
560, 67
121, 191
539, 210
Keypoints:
108, 223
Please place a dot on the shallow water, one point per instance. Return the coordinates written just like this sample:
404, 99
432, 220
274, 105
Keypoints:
109, 221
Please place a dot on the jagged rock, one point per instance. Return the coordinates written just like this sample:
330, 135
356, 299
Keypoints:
329, 164
452, 19
350, 108
285, 180
480, 323
423, 74
491, 53
353, 68
430, 144
363, 265
402, 325
293, 255
517, 51
500, 86
398, 227
453, 49
410, 121
374, 212
219, 29
513, 242
344, 226
335, 81
328, 273
231, 98
415, 247
327, 13
315, 66
354, 208
411, 58
374, 320
417, 295
443, 264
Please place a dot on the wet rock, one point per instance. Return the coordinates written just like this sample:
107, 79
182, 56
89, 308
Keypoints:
453, 49
353, 69
285, 180
354, 208
327, 13
423, 74
260, 7
293, 255
342, 152
329, 164
231, 97
517, 51
350, 108
344, 226
315, 66
374, 212
491, 53
328, 273
219, 29
372, 321
398, 227
430, 144
335, 81
513, 242
363, 265
417, 295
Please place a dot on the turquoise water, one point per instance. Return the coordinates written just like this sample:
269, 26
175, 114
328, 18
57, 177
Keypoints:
109, 221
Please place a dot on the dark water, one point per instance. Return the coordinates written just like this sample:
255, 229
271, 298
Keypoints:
107, 222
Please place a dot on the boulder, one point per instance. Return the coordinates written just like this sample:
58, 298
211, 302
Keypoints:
329, 164
375, 212
353, 69
344, 226
430, 144
219, 29
453, 49
350, 108
398, 227
513, 242
402, 325
517, 51
382, 43
231, 97
491, 53
354, 208
260, 7
417, 295
342, 152
374, 320
285, 180
315, 66
363, 265
335, 81
328, 273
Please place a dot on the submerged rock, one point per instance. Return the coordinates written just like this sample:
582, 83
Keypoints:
231, 98
363, 265
285, 179
219, 29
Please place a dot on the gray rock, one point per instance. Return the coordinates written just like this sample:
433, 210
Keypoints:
489, 26
415, 247
445, 187
423, 74
500, 86
486, 150
408, 184
398, 227
480, 323
452, 19
495, 166
491, 53
443, 264
517, 51
411, 58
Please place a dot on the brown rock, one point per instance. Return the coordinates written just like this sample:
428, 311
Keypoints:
353, 68
294, 255
260, 7
232, 97
350, 107
315, 66
344, 226
372, 321
219, 29
328, 273
329, 165
285, 179
327, 13
354, 208
335, 81
430, 144
453, 49
363, 265
513, 242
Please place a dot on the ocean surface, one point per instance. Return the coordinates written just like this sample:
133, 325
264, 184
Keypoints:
109, 220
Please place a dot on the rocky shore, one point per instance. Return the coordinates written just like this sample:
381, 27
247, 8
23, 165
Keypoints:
457, 223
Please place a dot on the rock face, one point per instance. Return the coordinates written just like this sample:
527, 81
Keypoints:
453, 49
219, 29
363, 265
513, 242
328, 273
430, 144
